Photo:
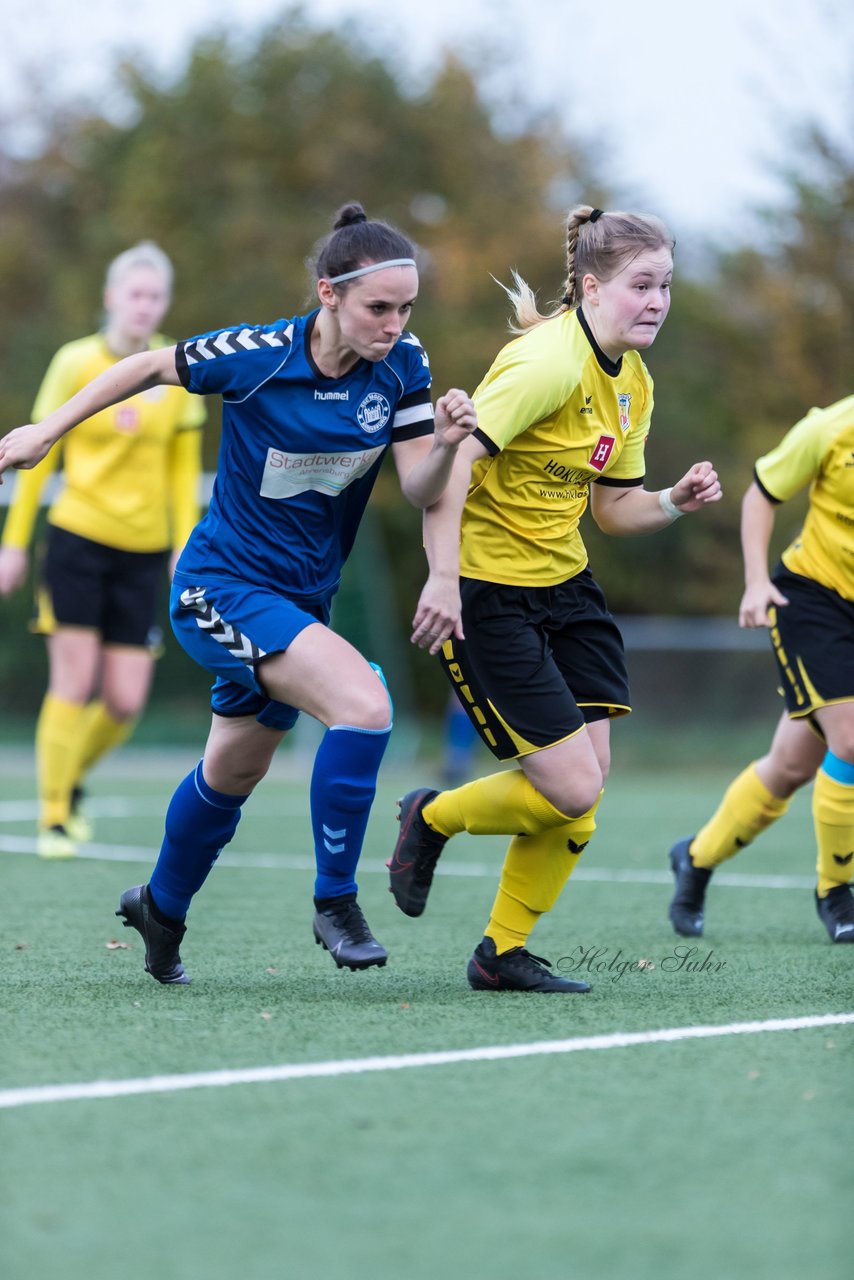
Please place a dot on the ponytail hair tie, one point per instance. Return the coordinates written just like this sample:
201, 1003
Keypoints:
596, 215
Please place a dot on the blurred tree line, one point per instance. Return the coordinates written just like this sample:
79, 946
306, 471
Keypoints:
236, 167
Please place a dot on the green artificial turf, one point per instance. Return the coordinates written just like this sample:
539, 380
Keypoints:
716, 1158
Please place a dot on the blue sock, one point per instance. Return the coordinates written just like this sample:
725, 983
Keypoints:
199, 824
343, 785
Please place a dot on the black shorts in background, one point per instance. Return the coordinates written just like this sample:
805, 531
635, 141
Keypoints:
87, 584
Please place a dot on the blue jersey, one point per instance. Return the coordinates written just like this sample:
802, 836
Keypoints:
299, 452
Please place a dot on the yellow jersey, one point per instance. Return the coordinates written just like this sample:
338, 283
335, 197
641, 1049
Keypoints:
556, 415
130, 473
819, 452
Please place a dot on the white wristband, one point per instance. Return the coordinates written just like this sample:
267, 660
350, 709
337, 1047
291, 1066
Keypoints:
669, 507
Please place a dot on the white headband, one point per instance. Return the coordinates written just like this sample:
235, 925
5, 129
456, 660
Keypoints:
374, 266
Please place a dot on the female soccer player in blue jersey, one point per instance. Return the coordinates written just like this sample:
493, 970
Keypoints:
563, 416
310, 406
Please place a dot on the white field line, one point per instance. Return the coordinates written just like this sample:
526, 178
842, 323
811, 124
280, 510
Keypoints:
97, 1089
478, 870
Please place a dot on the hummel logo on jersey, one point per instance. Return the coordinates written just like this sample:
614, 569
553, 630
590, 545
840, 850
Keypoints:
331, 395
587, 407
842, 859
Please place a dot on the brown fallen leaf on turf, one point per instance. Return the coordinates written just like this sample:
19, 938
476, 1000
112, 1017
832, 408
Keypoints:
115, 945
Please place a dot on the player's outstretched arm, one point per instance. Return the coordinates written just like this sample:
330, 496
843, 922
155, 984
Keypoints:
635, 510
26, 446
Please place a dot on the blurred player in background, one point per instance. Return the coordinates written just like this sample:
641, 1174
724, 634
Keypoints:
129, 495
808, 604
310, 407
563, 417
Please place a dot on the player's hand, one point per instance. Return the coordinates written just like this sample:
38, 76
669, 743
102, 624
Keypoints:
438, 614
755, 603
24, 447
697, 487
455, 417
14, 564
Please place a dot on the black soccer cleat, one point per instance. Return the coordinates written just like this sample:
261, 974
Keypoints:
836, 911
515, 970
342, 930
686, 905
416, 853
162, 960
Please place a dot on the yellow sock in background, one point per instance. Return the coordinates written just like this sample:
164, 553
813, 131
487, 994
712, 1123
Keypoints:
57, 757
100, 732
833, 818
747, 808
535, 870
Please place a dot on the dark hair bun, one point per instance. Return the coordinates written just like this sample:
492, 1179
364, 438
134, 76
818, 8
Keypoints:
349, 215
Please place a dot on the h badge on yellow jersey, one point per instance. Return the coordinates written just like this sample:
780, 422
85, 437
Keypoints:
602, 452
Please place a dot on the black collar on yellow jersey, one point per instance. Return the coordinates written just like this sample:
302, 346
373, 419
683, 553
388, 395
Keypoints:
611, 367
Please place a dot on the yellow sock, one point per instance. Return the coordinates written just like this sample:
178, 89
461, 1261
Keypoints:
833, 818
57, 757
747, 808
500, 804
535, 870
100, 732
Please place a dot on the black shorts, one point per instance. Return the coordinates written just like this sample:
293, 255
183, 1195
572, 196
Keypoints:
536, 663
813, 639
87, 584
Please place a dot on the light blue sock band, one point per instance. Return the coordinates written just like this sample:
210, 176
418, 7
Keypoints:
839, 770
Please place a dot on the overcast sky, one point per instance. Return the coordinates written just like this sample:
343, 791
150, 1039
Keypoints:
690, 107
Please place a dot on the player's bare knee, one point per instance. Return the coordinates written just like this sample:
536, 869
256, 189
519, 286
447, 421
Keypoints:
842, 743
123, 708
233, 777
370, 708
575, 796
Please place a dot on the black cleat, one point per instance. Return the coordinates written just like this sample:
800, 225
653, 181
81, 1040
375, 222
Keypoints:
416, 853
836, 911
686, 905
515, 970
342, 930
162, 960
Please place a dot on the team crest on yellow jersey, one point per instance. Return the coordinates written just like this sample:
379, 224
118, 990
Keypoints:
127, 419
624, 401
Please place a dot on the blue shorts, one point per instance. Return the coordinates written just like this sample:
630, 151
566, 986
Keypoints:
228, 628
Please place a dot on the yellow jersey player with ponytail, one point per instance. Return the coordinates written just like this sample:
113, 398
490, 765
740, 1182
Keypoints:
808, 605
129, 496
563, 416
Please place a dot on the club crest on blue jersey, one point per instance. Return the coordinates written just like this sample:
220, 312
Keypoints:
374, 412
624, 400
